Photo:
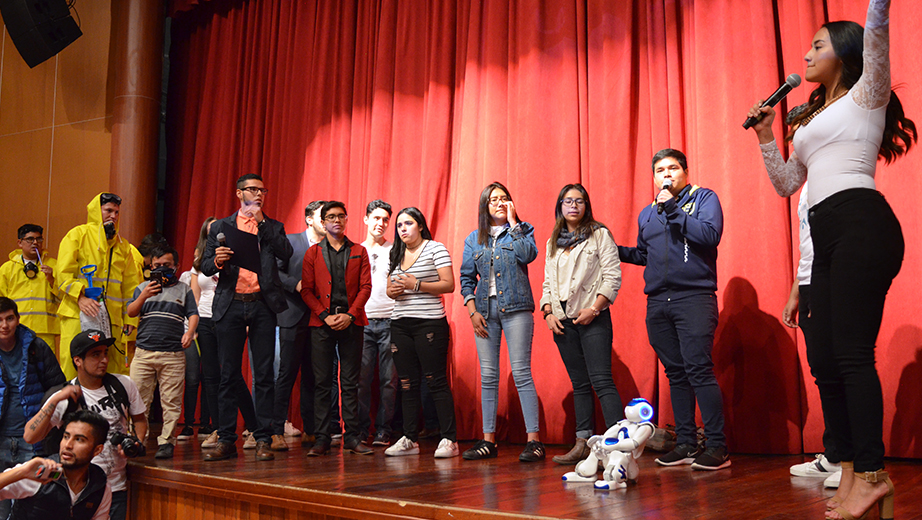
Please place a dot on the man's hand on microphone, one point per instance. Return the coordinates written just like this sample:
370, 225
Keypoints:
222, 254
764, 127
664, 196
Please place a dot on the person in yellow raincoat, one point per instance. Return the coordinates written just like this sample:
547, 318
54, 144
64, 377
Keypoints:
117, 273
28, 280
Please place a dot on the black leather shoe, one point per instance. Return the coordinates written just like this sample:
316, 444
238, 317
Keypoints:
319, 448
359, 448
264, 451
223, 451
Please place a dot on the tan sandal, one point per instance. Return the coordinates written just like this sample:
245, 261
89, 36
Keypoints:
884, 504
834, 502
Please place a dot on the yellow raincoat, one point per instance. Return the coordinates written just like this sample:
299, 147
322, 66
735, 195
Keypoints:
116, 271
36, 299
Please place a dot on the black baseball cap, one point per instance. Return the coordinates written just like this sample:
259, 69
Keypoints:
86, 340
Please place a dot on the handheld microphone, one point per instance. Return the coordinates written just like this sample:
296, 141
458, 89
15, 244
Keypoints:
222, 240
792, 81
667, 183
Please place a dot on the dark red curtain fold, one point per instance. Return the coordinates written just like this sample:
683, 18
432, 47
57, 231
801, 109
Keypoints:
424, 103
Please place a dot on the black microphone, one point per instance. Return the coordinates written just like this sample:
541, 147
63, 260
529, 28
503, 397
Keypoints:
792, 81
222, 240
667, 183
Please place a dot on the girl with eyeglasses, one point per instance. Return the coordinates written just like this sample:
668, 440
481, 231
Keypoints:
418, 275
582, 275
497, 293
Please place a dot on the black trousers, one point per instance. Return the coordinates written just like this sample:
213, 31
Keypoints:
420, 348
858, 250
244, 323
324, 344
805, 323
294, 357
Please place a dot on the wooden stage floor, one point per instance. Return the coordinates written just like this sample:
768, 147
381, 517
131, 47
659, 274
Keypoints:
344, 485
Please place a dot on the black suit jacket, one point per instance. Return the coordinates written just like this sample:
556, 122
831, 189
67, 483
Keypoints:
290, 279
273, 246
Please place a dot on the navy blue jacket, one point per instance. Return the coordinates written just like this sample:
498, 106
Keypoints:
679, 246
514, 249
40, 371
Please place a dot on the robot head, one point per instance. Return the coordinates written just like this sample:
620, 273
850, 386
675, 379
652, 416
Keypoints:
638, 410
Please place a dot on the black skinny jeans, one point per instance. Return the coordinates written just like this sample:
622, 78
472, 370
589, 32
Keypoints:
420, 348
858, 250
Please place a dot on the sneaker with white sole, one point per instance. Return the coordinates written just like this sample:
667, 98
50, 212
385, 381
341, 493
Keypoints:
713, 459
818, 467
447, 449
402, 447
681, 455
832, 481
291, 431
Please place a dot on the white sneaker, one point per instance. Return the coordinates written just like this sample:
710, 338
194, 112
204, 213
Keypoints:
211, 441
291, 431
447, 449
403, 447
818, 467
832, 481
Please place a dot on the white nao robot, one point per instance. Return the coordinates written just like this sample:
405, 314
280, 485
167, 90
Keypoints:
617, 451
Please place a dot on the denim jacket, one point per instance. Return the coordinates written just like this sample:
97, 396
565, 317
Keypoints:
510, 255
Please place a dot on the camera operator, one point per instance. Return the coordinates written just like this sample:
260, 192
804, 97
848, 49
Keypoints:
113, 396
37, 486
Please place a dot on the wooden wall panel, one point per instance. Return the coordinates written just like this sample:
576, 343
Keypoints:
55, 130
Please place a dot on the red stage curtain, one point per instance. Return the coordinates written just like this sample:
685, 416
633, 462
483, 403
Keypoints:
424, 103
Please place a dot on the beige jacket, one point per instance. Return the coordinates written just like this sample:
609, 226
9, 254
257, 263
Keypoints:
597, 270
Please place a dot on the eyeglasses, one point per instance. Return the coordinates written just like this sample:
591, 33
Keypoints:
254, 190
573, 202
33, 240
335, 216
496, 201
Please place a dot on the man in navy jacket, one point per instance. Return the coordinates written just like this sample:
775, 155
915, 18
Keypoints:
336, 284
677, 243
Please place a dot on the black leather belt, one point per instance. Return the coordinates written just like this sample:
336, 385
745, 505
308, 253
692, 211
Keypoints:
248, 297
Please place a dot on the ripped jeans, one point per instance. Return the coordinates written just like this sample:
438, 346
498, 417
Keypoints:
420, 348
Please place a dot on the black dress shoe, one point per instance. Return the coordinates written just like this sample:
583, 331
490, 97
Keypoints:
319, 448
223, 451
358, 447
264, 451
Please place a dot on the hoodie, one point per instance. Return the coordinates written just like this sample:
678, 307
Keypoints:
84, 245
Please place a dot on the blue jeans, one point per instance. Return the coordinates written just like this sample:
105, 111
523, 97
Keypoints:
242, 321
682, 334
376, 352
586, 353
13, 451
520, 329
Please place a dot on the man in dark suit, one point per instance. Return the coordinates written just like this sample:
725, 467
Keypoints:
295, 336
246, 303
336, 284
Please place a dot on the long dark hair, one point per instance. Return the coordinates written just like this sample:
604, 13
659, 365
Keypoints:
200, 247
847, 40
484, 222
400, 248
586, 226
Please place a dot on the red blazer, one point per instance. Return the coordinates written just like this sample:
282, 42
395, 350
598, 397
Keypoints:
316, 281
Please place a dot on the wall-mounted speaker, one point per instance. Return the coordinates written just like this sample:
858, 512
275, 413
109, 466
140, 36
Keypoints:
39, 28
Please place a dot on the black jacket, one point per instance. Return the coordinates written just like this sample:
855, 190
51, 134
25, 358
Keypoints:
273, 246
53, 498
